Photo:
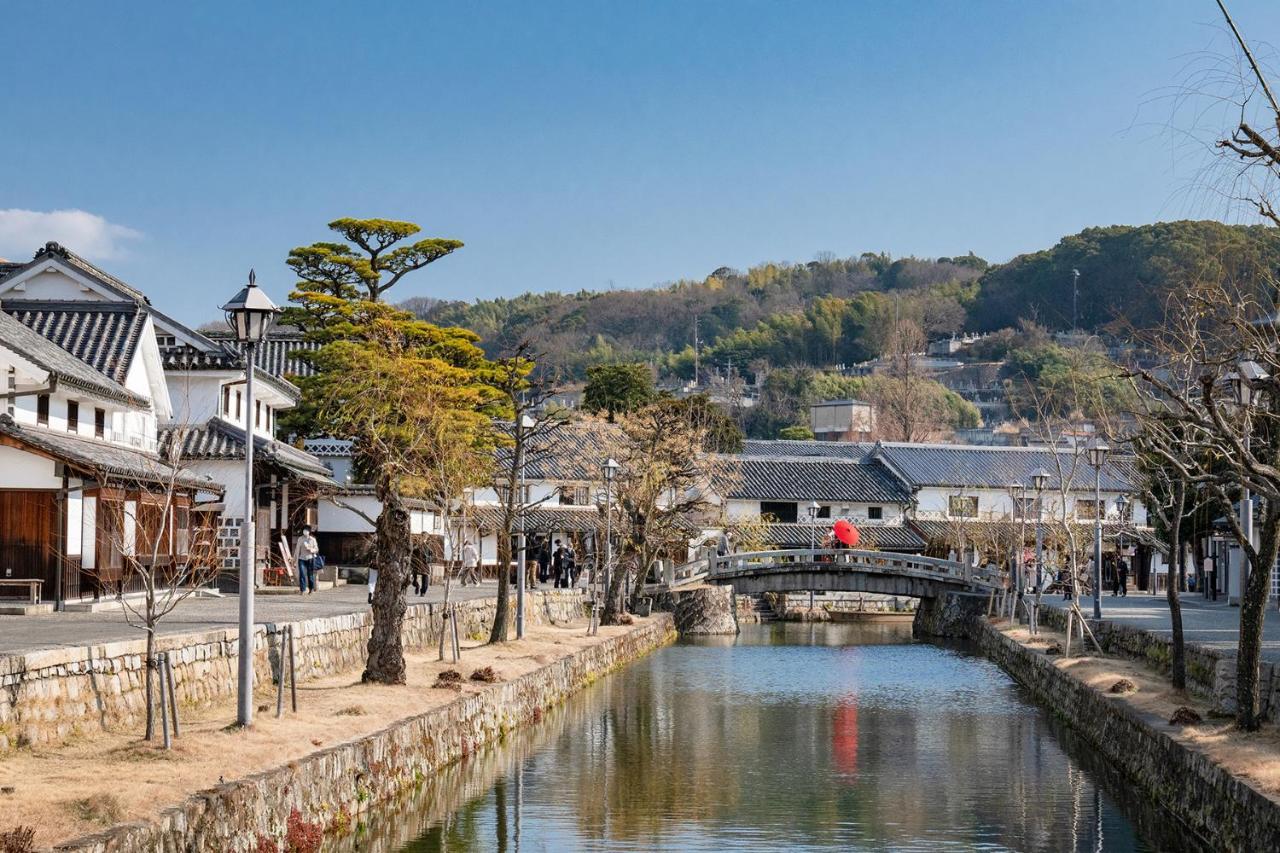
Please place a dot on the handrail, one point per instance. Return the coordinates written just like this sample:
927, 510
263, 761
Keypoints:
880, 562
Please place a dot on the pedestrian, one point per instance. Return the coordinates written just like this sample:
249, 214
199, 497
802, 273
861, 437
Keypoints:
306, 549
544, 559
722, 544
421, 563
570, 565
1122, 577
557, 564
373, 582
470, 564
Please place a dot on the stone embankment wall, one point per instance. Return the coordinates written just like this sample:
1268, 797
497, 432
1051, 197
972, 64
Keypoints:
836, 606
1222, 811
334, 786
1211, 673
51, 696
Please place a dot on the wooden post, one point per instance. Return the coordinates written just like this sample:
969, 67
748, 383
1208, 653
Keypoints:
164, 704
173, 692
280, 681
293, 675
1071, 627
457, 648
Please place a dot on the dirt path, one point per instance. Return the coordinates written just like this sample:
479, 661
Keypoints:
1254, 756
88, 785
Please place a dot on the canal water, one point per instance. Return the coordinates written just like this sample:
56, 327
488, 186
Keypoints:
788, 737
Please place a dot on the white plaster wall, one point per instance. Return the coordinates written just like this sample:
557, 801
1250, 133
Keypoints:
75, 523
194, 397
331, 518
228, 472
50, 283
89, 540
22, 470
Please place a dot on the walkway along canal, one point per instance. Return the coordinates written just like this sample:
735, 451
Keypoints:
789, 736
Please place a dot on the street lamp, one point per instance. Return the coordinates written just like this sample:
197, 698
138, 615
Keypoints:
1247, 375
1122, 505
812, 509
1097, 457
249, 314
611, 467
1039, 479
526, 424
1017, 494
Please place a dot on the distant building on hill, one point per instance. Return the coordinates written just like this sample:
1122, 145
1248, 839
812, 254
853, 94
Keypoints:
842, 420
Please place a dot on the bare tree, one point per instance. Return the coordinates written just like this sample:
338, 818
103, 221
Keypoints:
527, 440
155, 557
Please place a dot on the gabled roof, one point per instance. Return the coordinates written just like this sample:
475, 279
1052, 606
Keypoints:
882, 537
64, 367
980, 466
577, 451
790, 447
53, 250
541, 519
104, 335
103, 460
217, 439
805, 478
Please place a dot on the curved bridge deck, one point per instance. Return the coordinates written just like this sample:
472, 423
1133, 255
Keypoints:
832, 570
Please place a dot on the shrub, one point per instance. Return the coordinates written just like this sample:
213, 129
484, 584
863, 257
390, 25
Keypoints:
485, 675
20, 839
301, 836
104, 809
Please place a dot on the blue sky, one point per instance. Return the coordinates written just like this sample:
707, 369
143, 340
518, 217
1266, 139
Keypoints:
586, 145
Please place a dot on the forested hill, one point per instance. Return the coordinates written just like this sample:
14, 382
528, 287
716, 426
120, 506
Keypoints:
834, 310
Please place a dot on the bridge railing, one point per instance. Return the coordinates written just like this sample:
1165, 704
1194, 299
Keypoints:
887, 562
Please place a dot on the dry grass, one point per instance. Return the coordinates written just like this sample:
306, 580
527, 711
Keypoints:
116, 777
1254, 756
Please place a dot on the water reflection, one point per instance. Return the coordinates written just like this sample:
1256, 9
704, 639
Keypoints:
802, 737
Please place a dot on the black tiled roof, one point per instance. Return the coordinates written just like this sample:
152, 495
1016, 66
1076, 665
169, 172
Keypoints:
799, 478
278, 353
104, 335
68, 369
101, 459
961, 465
217, 439
577, 452
541, 519
884, 538
789, 447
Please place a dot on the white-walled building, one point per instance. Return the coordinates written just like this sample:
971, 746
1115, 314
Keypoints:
82, 484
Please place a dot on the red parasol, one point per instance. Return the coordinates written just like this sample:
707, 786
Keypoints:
847, 533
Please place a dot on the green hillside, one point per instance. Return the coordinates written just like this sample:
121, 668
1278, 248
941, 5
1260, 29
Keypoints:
839, 310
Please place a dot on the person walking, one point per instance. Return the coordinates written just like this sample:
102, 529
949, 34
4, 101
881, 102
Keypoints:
544, 559
420, 561
306, 549
557, 564
470, 564
1122, 576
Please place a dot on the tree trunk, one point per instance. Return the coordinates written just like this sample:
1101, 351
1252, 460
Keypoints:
502, 613
613, 596
1177, 569
1178, 660
392, 558
1253, 610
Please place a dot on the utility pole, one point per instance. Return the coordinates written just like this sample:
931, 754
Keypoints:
696, 317
1075, 300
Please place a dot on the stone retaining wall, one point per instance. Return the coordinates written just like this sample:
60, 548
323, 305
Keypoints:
1211, 673
334, 786
52, 696
1222, 811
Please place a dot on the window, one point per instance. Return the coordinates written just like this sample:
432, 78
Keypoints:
237, 406
575, 495
73, 416
1085, 509
226, 399
875, 513
100, 423
962, 506
1025, 508
42, 409
781, 511
257, 414
823, 512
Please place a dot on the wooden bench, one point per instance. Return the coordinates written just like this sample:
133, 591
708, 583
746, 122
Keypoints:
33, 586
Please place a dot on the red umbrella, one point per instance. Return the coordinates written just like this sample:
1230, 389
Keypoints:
847, 533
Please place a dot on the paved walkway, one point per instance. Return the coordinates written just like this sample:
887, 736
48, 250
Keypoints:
1206, 623
57, 630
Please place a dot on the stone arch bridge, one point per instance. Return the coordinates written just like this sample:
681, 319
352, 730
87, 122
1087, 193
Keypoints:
950, 592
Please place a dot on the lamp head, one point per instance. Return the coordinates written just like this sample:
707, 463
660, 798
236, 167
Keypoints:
1039, 479
250, 312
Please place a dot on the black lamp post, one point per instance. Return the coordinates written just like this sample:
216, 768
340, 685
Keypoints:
1097, 458
1039, 479
250, 315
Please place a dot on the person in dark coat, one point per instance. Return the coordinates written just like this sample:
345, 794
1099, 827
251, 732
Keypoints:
544, 559
1122, 577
